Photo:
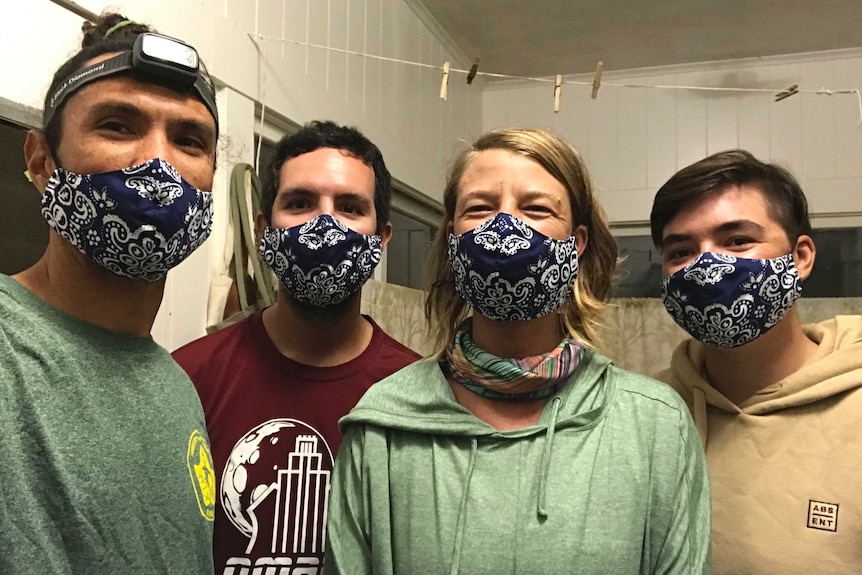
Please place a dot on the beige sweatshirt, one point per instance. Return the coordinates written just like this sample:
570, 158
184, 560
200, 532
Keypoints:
786, 465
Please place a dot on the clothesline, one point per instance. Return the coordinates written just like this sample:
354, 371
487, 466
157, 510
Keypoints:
446, 69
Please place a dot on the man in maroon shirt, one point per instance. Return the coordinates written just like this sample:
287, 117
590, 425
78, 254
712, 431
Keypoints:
274, 385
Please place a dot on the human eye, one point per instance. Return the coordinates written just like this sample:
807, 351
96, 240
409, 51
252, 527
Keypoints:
297, 204
539, 209
677, 254
115, 126
193, 139
476, 208
191, 142
740, 242
293, 202
353, 205
352, 209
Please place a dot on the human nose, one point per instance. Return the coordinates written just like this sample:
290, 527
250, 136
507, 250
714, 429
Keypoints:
507, 206
156, 145
707, 246
325, 206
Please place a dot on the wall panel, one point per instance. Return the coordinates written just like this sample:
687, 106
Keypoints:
691, 120
818, 123
662, 135
722, 117
639, 137
632, 139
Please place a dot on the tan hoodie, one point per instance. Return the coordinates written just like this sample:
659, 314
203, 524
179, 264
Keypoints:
785, 465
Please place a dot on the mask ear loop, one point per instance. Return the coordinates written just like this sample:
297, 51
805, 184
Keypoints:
561, 313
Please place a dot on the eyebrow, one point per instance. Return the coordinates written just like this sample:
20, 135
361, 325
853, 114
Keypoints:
303, 192
481, 192
726, 227
530, 194
120, 108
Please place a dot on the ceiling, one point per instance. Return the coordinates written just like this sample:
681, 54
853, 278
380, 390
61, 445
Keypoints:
547, 37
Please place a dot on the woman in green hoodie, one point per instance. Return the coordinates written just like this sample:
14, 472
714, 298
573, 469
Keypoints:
518, 448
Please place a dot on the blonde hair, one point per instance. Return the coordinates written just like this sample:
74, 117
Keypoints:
581, 316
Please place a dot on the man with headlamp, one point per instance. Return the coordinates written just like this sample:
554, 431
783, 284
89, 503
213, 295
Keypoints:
107, 466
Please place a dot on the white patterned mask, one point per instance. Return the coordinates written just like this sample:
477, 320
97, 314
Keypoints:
321, 262
507, 270
137, 222
725, 301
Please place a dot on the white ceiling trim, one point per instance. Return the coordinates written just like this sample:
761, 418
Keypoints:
438, 31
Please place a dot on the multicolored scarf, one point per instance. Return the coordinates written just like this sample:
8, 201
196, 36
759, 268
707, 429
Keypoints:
492, 377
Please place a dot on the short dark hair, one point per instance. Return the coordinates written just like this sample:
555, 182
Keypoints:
784, 197
326, 134
121, 39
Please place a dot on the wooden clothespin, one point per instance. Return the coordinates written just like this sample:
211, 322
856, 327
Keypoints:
597, 80
444, 84
558, 84
794, 89
473, 69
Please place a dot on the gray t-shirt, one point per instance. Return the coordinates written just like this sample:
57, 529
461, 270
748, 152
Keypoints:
104, 458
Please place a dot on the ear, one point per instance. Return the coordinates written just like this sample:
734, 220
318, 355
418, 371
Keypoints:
40, 163
259, 225
385, 235
582, 238
803, 256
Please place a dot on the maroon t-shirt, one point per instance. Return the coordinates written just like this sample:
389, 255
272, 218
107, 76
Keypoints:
273, 427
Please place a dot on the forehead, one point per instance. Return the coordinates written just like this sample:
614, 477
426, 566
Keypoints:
327, 169
498, 168
151, 99
733, 203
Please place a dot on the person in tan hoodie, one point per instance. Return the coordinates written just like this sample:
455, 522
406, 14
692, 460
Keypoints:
776, 403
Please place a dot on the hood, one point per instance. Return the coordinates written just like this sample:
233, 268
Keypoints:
835, 368
418, 399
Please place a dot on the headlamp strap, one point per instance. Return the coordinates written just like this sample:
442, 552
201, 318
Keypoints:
109, 67
121, 63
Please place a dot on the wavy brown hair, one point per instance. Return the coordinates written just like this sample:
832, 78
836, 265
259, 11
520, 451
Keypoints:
582, 315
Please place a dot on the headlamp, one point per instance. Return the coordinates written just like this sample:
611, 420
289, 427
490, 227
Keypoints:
154, 58
166, 57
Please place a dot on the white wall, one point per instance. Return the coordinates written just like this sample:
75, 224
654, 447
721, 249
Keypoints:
634, 139
396, 105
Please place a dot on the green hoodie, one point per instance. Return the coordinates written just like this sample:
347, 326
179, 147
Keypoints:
611, 480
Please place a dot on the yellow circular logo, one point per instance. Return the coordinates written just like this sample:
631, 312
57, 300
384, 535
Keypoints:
199, 460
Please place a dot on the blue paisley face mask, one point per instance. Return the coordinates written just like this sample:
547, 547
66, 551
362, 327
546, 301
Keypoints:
726, 301
507, 270
137, 222
321, 262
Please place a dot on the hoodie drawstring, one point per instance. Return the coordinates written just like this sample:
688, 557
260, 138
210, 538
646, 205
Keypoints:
556, 402
700, 420
462, 513
546, 456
